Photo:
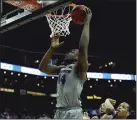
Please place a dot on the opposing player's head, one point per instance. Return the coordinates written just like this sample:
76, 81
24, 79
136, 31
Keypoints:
72, 56
123, 109
102, 109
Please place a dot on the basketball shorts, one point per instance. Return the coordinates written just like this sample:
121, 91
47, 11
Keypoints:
69, 113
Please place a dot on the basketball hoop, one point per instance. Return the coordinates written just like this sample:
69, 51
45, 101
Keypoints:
60, 19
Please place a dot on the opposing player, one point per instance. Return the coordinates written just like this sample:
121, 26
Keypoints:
123, 111
72, 75
107, 109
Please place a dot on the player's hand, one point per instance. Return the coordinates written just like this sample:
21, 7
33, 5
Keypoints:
85, 116
95, 117
112, 101
88, 13
55, 41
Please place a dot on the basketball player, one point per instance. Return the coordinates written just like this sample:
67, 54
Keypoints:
106, 109
72, 75
123, 111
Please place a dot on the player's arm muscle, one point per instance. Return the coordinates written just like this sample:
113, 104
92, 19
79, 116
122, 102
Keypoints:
45, 67
109, 106
82, 64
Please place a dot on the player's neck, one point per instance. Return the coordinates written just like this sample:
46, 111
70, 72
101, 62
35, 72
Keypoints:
68, 62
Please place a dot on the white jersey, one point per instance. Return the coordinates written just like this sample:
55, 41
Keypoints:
69, 88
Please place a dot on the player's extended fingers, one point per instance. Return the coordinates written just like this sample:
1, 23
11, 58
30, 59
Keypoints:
87, 10
112, 101
56, 34
86, 114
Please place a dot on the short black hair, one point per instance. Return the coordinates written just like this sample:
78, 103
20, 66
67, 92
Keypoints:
76, 51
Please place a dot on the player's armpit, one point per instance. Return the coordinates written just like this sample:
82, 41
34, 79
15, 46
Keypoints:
51, 69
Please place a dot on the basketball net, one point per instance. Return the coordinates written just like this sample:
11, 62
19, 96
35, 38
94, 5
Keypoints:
60, 23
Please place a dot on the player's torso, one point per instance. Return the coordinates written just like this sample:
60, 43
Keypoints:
69, 88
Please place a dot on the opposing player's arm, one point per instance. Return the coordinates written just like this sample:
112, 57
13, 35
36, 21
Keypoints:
82, 64
44, 64
109, 104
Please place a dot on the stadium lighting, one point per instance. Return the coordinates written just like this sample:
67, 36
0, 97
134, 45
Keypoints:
89, 64
51, 103
100, 67
111, 85
5, 79
37, 61
18, 74
110, 63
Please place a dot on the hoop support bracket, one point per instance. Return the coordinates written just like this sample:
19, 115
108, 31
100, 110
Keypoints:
26, 16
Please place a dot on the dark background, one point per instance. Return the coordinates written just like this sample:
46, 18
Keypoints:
112, 35
112, 38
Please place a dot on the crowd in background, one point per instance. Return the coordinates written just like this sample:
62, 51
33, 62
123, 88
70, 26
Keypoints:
106, 111
8, 114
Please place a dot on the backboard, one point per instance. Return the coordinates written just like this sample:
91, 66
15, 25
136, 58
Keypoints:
28, 11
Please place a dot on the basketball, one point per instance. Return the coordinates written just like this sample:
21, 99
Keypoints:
78, 14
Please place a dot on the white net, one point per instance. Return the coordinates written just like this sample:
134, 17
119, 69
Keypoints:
60, 23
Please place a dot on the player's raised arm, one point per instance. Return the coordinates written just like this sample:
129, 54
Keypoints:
44, 66
109, 104
82, 64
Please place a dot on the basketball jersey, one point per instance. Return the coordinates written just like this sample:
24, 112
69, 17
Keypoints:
69, 88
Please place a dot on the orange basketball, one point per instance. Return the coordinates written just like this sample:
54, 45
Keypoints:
78, 14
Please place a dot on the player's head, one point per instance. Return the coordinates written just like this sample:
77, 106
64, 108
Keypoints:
123, 108
102, 109
72, 56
